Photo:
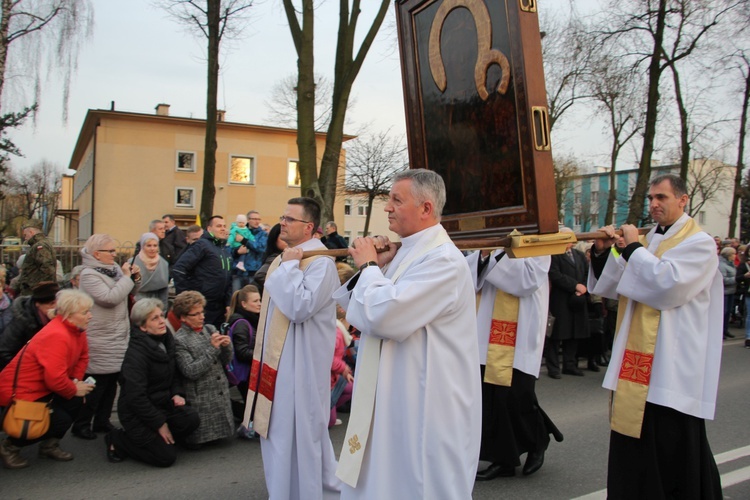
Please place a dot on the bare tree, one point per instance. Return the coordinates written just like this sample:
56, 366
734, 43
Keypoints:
707, 181
216, 20
36, 37
657, 34
371, 163
565, 167
282, 103
33, 193
322, 186
616, 91
566, 55
743, 68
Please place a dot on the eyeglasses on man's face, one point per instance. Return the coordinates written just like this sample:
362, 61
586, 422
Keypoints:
199, 313
288, 220
112, 251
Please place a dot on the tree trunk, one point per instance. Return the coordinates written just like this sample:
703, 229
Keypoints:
609, 217
209, 161
684, 125
7, 5
370, 201
740, 155
635, 211
306, 140
322, 186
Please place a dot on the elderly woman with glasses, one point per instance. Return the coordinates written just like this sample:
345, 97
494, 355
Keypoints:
152, 405
109, 331
50, 368
202, 353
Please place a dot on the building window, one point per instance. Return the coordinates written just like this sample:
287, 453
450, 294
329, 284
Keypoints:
294, 179
184, 197
362, 210
242, 170
577, 220
185, 161
577, 199
594, 197
701, 217
348, 207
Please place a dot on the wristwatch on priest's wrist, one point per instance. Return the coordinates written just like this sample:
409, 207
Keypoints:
367, 264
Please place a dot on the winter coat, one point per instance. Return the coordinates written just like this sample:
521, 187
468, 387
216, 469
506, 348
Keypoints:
6, 311
172, 245
253, 259
40, 264
148, 380
259, 279
154, 283
243, 338
109, 329
570, 311
206, 267
57, 355
742, 282
729, 275
24, 325
206, 386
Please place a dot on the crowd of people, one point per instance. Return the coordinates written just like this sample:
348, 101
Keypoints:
413, 337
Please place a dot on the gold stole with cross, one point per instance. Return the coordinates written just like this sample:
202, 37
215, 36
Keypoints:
629, 399
502, 343
265, 365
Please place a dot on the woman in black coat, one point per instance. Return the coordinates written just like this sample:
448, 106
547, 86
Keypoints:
274, 246
152, 405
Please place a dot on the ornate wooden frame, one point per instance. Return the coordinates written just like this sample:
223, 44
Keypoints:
476, 112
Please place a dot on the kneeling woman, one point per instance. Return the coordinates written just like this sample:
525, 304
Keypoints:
152, 405
202, 352
50, 367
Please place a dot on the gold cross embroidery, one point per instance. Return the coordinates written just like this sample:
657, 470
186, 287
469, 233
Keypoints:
354, 445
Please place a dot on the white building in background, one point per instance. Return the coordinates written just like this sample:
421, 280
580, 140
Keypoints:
355, 214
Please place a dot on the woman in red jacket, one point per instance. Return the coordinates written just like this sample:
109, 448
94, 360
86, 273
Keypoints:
50, 367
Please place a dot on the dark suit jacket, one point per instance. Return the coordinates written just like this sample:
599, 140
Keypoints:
172, 245
570, 311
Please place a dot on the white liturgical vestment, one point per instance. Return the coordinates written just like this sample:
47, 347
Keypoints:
298, 458
686, 286
426, 427
523, 278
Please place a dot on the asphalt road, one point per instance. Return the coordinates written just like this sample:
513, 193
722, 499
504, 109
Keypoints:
234, 469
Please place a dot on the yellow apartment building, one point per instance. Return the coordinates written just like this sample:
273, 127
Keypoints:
132, 168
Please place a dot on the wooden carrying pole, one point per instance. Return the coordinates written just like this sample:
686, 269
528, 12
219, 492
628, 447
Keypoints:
484, 243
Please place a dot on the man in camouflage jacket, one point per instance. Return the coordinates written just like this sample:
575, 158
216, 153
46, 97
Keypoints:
40, 263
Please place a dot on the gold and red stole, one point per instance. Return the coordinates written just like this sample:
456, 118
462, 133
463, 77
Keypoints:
265, 365
502, 345
629, 399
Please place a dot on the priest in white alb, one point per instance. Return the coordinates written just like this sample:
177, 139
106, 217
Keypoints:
416, 417
290, 387
664, 370
513, 297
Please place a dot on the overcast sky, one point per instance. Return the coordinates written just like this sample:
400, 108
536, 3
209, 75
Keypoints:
139, 57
